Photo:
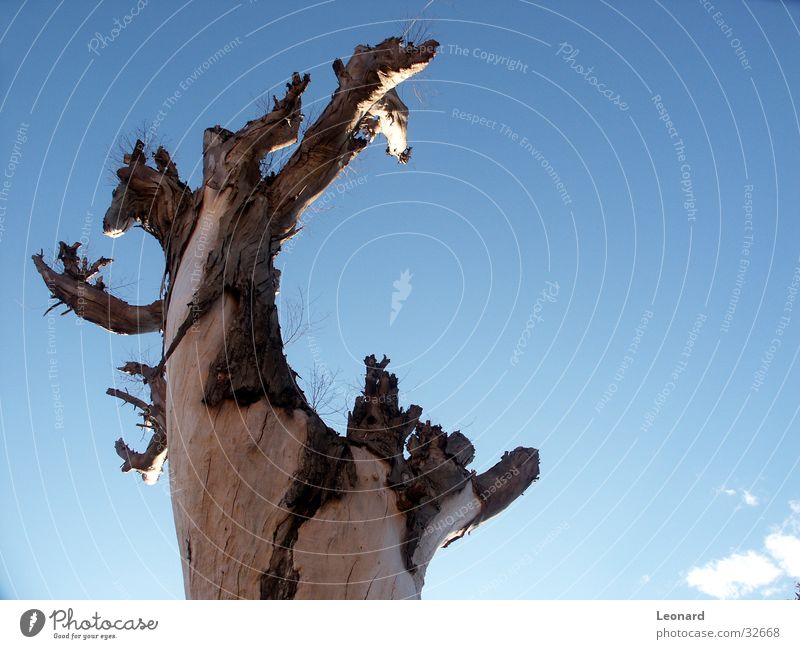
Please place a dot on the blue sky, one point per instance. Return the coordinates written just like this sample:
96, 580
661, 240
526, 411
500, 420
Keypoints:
602, 263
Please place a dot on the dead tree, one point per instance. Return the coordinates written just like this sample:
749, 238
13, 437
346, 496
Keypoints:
269, 502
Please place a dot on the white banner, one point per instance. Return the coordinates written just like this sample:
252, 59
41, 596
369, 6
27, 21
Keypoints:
406, 624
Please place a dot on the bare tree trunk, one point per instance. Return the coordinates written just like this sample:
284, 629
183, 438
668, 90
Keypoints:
268, 501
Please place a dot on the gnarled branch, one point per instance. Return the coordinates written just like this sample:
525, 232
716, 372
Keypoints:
150, 463
364, 104
92, 302
258, 219
230, 158
153, 197
502, 484
435, 475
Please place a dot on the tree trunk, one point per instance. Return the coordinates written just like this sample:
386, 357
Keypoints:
268, 501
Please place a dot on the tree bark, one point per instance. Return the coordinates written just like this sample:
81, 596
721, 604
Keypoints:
268, 501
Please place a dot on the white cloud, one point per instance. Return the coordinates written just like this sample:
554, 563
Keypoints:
749, 499
785, 549
740, 573
734, 576
729, 492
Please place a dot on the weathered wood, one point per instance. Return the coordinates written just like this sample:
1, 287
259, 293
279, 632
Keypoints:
153, 198
268, 501
92, 302
150, 463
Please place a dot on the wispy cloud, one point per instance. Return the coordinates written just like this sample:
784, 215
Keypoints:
743, 572
748, 498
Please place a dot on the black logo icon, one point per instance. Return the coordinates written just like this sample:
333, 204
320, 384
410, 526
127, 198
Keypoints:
31, 622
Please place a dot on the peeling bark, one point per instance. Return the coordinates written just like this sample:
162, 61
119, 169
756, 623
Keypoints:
268, 501
435, 470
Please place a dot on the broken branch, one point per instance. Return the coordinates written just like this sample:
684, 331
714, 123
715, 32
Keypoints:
153, 197
435, 471
150, 463
92, 302
364, 104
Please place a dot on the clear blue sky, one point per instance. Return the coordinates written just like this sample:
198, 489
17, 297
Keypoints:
528, 168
